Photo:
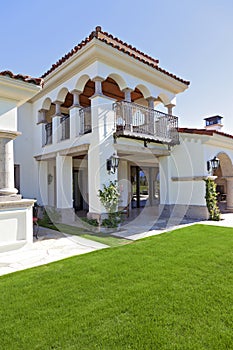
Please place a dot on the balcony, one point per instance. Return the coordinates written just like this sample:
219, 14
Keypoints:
136, 121
48, 134
85, 120
65, 127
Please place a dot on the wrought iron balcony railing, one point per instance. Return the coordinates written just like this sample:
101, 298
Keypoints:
85, 120
135, 120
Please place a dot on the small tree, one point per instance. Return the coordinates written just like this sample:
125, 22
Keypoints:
109, 197
211, 200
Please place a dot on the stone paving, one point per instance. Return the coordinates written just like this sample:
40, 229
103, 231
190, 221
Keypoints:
53, 245
50, 246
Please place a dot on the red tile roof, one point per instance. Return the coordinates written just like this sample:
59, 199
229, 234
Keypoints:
25, 78
203, 132
116, 44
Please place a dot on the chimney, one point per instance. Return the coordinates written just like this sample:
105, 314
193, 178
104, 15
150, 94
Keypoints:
213, 123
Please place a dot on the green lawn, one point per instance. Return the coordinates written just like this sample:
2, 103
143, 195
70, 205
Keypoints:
171, 291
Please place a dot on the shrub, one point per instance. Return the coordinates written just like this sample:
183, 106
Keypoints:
211, 200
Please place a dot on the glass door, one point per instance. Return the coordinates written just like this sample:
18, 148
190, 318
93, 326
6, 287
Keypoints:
77, 195
140, 187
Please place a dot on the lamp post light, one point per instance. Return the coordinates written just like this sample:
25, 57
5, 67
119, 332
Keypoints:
213, 164
112, 164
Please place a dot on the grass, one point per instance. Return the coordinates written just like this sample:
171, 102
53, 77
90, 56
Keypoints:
171, 291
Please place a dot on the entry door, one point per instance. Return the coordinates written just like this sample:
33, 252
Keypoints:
140, 187
77, 195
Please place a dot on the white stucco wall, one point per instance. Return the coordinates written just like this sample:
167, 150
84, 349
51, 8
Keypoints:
8, 115
24, 152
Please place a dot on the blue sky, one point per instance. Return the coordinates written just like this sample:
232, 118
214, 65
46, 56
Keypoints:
191, 38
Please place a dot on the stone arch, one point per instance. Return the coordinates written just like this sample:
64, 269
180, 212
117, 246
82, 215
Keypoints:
81, 82
119, 80
62, 94
144, 90
46, 104
164, 99
226, 167
224, 182
111, 88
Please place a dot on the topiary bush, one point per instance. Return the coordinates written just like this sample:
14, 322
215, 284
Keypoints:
211, 200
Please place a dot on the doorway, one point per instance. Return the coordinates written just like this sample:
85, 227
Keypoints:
140, 187
77, 194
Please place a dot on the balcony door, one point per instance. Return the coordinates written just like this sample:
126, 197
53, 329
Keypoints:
140, 187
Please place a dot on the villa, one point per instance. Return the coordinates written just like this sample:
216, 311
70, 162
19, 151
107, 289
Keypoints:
105, 113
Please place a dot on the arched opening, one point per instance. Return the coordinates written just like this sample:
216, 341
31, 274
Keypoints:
65, 117
111, 89
88, 91
224, 175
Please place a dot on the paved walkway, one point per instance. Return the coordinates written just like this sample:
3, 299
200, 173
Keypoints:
134, 231
50, 246
54, 245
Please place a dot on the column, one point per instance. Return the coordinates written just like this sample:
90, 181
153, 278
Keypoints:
127, 109
151, 121
98, 86
229, 192
41, 116
7, 163
74, 115
64, 168
43, 180
56, 123
76, 94
169, 108
101, 149
127, 92
150, 101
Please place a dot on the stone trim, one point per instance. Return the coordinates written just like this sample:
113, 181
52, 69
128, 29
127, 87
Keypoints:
189, 178
23, 203
9, 134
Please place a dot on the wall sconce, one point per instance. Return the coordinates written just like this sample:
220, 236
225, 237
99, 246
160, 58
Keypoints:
50, 179
112, 164
213, 164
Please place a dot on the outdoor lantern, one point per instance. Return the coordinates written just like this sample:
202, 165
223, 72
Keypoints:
112, 163
50, 179
213, 164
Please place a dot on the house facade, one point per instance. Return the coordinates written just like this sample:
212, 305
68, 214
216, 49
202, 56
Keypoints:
103, 101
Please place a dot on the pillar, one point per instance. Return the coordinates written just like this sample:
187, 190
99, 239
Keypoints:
56, 123
127, 92
76, 94
43, 180
42, 116
169, 108
98, 86
150, 101
230, 193
101, 149
64, 168
151, 120
7, 187
74, 115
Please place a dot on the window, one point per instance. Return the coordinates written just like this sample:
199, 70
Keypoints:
65, 127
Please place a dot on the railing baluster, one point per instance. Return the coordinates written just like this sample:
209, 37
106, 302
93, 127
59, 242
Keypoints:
85, 120
135, 119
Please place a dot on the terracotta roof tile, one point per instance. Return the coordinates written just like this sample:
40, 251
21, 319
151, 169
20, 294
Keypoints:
118, 44
203, 132
25, 78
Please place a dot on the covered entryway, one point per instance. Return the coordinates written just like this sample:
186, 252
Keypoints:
224, 182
